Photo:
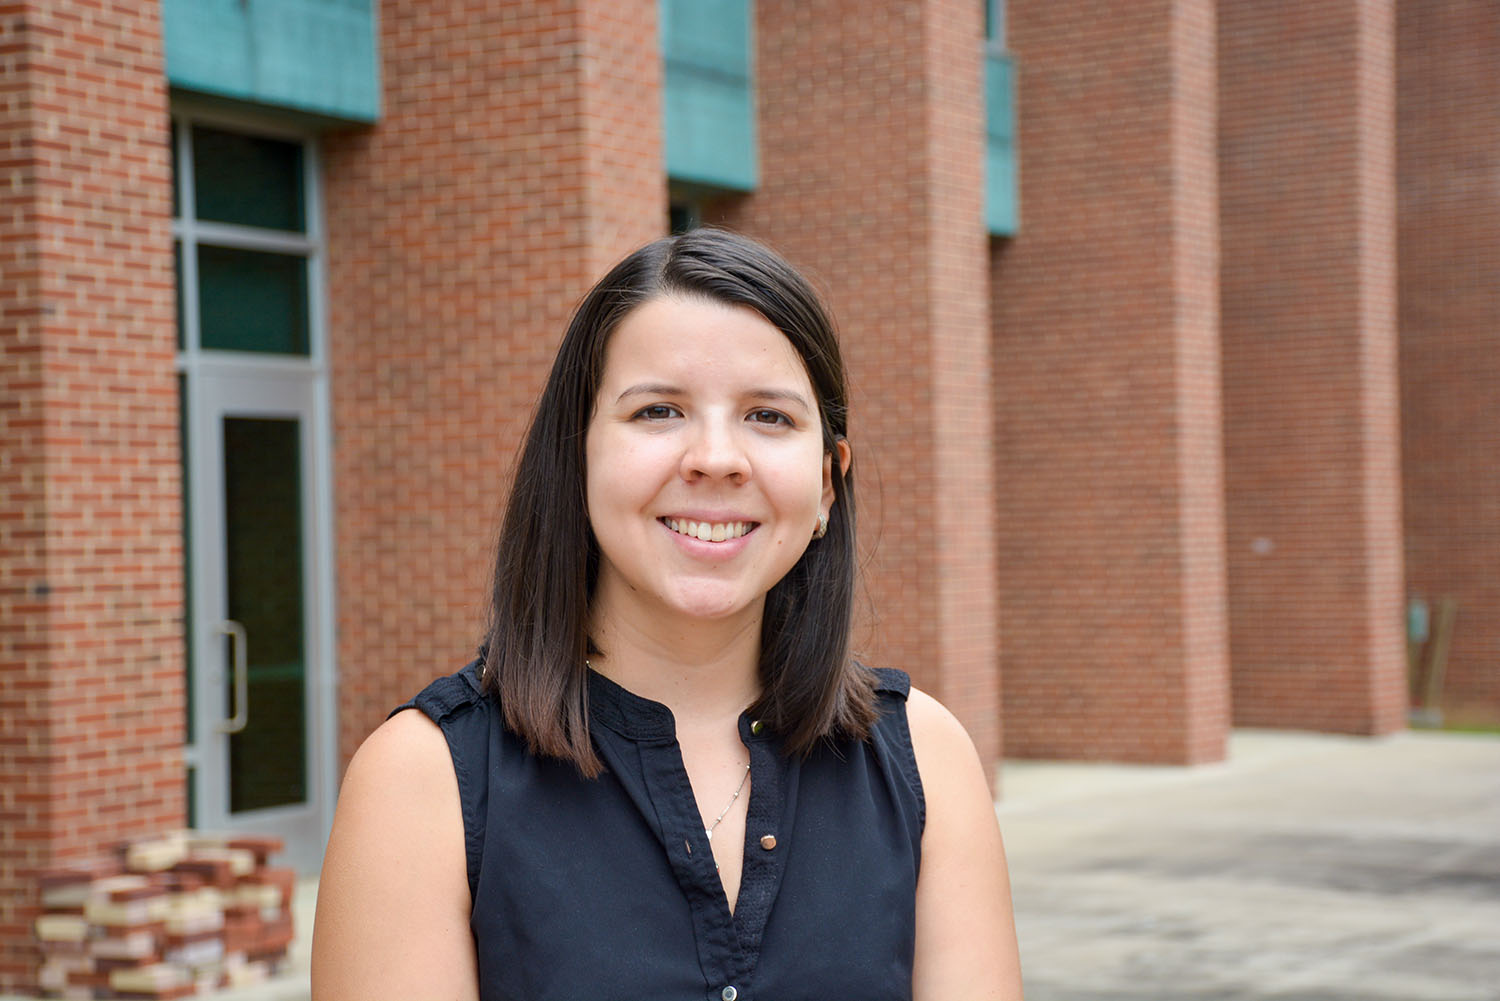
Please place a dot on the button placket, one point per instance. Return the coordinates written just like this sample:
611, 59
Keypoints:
773, 785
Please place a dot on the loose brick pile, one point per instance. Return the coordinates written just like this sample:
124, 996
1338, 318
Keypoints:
165, 917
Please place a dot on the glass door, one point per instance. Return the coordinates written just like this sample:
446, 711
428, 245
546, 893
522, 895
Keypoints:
256, 614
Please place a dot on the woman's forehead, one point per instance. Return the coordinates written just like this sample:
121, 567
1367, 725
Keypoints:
696, 340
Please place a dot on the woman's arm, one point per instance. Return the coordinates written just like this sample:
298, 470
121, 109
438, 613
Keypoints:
393, 899
966, 937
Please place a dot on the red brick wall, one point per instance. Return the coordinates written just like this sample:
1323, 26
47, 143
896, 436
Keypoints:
1448, 126
871, 146
91, 669
1310, 398
1107, 385
517, 157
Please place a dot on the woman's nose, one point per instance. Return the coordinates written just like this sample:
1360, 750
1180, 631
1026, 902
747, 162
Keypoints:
714, 450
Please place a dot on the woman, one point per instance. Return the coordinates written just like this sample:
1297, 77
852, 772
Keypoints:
665, 777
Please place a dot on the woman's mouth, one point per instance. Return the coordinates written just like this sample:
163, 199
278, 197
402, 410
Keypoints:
709, 531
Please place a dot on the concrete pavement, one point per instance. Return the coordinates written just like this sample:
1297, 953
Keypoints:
1306, 868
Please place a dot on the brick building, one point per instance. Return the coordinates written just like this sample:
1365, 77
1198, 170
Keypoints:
1154, 437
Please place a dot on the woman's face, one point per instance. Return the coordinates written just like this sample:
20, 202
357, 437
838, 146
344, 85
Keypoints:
706, 469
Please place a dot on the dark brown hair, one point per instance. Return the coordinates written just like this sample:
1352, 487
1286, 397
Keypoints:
547, 563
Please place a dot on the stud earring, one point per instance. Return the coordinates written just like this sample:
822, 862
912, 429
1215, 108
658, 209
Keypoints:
822, 528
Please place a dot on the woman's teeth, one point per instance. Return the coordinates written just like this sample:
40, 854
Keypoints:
709, 531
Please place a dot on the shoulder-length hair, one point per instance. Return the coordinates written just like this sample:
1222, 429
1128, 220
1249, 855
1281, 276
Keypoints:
548, 560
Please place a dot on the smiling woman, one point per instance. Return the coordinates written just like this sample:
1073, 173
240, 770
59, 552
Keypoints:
665, 776
713, 313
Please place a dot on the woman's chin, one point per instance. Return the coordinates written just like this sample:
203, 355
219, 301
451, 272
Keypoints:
711, 607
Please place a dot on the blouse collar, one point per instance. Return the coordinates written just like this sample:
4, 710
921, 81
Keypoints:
640, 719
627, 713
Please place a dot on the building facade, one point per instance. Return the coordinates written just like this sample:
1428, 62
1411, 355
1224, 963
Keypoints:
1172, 327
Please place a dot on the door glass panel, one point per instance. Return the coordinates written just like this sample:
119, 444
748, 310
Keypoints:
248, 180
251, 300
263, 522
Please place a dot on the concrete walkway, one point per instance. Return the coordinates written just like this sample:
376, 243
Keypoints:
1306, 868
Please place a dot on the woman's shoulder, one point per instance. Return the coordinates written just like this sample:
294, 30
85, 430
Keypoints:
935, 732
377, 896
937, 746
932, 729
457, 707
947, 760
928, 721
401, 756
410, 749
448, 696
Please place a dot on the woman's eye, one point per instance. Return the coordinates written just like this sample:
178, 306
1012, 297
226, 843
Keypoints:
769, 417
657, 412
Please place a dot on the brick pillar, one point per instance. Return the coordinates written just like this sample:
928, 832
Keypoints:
91, 663
1307, 163
871, 144
1448, 156
1107, 360
517, 157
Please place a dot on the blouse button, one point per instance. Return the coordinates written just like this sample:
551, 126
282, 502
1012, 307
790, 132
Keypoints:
756, 727
768, 841
729, 993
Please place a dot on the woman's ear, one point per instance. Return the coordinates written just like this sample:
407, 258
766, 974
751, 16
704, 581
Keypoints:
845, 456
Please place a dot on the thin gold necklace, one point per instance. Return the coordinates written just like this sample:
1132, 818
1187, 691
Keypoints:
709, 830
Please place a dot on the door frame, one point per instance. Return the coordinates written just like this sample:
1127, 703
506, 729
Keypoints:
200, 369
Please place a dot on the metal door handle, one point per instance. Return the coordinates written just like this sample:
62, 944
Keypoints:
236, 633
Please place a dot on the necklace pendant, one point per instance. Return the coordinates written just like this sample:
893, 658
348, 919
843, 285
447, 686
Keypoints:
708, 833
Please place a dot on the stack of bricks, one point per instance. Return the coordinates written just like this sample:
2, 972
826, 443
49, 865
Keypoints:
166, 917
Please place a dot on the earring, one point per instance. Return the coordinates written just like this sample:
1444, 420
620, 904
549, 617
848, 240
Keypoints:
822, 528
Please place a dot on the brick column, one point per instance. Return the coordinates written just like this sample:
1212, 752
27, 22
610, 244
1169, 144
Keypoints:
91, 663
1310, 399
517, 157
1108, 394
1448, 157
871, 134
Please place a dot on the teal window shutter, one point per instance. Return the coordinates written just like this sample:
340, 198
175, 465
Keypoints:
315, 56
1001, 214
709, 93
1000, 145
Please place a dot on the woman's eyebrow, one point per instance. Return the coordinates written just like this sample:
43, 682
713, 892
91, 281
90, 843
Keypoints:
780, 394
650, 389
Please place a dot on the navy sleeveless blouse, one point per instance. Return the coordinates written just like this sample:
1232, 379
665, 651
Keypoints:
606, 889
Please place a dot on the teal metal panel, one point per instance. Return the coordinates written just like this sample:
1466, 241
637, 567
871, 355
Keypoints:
315, 56
994, 23
709, 93
1001, 213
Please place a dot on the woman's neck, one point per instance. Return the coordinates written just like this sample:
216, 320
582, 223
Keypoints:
700, 670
